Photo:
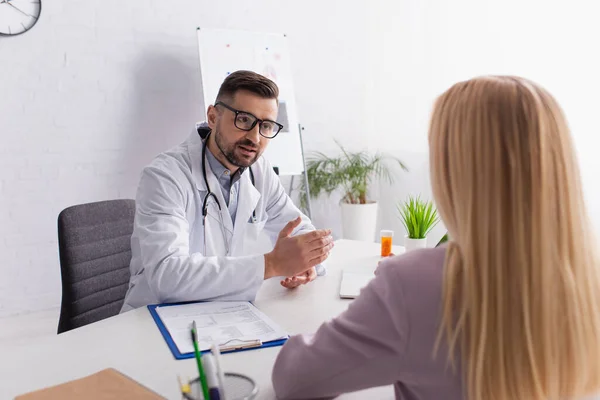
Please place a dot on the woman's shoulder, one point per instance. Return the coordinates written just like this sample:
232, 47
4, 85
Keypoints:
414, 263
416, 272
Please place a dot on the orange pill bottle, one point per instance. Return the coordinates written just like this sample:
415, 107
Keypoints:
386, 242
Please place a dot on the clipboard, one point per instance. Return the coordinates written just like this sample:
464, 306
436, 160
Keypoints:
182, 356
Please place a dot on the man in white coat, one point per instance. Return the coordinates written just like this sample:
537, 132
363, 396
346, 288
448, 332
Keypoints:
201, 206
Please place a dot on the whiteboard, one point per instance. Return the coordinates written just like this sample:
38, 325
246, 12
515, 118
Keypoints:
224, 51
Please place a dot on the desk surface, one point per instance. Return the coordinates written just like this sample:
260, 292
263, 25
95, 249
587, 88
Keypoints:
132, 344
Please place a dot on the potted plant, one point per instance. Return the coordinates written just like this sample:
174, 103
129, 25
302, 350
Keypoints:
352, 172
443, 240
418, 217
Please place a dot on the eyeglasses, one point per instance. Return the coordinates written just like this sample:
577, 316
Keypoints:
246, 122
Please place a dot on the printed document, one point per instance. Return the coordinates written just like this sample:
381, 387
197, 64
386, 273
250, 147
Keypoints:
222, 323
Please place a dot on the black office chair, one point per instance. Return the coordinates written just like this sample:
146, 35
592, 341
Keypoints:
95, 251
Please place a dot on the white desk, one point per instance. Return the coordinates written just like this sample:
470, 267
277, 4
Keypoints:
132, 344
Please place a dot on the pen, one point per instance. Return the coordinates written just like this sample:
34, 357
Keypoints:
248, 344
199, 362
211, 376
220, 375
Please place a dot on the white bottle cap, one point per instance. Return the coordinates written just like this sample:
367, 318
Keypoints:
387, 233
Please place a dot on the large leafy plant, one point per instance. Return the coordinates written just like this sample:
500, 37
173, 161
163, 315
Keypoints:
418, 217
350, 171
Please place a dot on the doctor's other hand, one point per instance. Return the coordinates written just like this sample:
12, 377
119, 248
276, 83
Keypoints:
294, 255
302, 279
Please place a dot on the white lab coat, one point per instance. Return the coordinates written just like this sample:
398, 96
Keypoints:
168, 261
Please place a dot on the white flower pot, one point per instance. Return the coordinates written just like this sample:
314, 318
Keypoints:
359, 221
413, 244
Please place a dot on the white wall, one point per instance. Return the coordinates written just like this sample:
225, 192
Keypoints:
99, 87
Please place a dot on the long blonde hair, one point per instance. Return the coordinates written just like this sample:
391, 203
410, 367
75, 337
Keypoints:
521, 291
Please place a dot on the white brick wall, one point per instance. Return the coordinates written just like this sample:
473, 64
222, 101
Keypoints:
99, 87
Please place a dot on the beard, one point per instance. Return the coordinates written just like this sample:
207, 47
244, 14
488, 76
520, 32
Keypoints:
234, 152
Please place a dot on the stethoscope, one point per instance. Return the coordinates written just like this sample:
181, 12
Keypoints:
210, 194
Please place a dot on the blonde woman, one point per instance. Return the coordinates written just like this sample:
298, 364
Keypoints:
508, 309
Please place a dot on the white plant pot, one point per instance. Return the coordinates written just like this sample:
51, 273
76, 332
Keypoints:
413, 244
359, 221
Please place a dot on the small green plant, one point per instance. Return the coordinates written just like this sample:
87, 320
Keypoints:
443, 240
350, 171
418, 217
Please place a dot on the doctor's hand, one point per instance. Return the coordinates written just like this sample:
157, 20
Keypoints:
295, 255
301, 279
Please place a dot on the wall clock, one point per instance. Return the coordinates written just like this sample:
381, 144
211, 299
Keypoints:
18, 16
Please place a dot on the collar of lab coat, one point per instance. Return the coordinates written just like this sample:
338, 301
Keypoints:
195, 153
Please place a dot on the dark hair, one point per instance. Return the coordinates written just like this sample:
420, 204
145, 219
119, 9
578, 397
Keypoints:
250, 81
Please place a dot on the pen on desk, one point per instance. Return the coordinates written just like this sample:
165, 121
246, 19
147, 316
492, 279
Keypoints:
211, 376
199, 362
246, 344
220, 375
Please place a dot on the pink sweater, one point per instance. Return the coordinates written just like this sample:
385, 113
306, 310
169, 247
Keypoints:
386, 336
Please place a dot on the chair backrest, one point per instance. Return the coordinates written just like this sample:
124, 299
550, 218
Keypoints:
95, 250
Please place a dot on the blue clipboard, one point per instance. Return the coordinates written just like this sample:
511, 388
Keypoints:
182, 356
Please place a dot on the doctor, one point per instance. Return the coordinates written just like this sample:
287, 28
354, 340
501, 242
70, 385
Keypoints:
201, 206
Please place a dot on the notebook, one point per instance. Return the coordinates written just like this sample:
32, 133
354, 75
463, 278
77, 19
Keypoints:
108, 384
353, 282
